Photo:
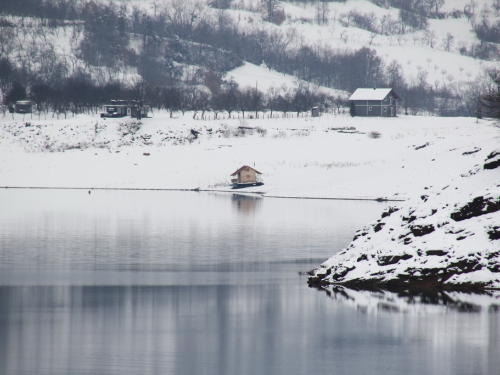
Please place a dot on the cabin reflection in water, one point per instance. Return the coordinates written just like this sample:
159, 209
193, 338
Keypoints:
246, 204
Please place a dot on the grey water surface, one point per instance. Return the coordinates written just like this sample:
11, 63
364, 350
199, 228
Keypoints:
157, 282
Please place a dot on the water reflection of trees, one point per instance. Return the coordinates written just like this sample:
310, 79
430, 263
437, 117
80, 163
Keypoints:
407, 301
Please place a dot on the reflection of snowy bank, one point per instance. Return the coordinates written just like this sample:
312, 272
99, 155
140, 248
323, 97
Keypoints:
414, 302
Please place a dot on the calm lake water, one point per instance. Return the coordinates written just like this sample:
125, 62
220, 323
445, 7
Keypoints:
151, 282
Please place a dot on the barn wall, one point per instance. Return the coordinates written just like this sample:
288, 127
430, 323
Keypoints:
247, 176
362, 108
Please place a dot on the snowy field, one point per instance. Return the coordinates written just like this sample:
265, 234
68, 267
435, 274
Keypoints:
326, 157
264, 78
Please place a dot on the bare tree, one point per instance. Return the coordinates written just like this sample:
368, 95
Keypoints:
496, 6
325, 11
271, 98
430, 38
271, 9
344, 35
184, 16
6, 41
436, 4
372, 37
448, 42
491, 98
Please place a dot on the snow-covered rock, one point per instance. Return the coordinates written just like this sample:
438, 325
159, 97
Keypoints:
448, 237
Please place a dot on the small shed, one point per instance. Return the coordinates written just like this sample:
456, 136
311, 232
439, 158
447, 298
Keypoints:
246, 176
22, 106
374, 102
122, 108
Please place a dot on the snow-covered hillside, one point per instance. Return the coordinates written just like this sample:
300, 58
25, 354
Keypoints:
413, 50
448, 237
264, 79
440, 56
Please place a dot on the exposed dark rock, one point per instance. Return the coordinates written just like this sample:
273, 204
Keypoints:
384, 260
494, 267
436, 252
493, 160
316, 280
422, 146
409, 219
362, 257
476, 149
494, 233
453, 231
424, 198
358, 235
421, 230
463, 266
340, 273
443, 224
479, 206
389, 211
378, 227
404, 235
495, 254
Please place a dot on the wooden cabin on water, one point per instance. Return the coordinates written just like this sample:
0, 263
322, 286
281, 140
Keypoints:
246, 176
374, 102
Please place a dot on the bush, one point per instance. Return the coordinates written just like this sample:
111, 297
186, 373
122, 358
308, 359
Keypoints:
280, 134
261, 131
374, 134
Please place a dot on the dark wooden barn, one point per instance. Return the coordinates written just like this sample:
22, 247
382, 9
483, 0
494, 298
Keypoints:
374, 102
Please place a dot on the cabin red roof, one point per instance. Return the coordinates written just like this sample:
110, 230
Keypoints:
245, 166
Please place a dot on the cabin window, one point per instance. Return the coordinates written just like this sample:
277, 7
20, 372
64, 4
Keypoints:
370, 109
385, 109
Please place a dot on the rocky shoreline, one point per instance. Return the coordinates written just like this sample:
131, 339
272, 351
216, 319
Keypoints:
448, 239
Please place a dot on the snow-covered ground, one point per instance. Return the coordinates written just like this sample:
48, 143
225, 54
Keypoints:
264, 78
325, 157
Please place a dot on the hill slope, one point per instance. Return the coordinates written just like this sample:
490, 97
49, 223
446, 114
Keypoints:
449, 237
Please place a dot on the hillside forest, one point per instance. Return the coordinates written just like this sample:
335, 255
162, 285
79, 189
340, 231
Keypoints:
73, 56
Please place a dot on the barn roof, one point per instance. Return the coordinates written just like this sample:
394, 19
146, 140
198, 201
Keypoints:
372, 94
245, 166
